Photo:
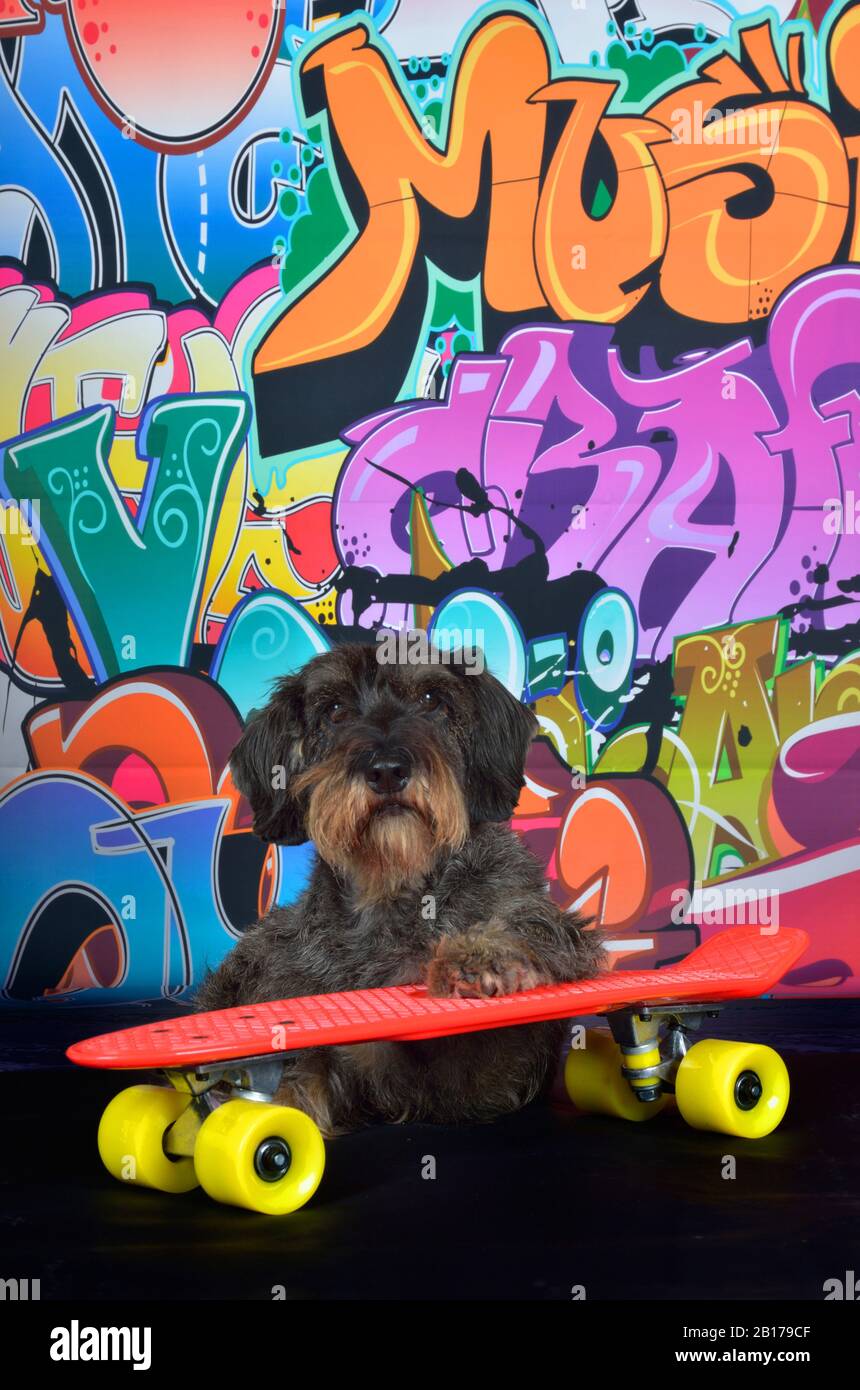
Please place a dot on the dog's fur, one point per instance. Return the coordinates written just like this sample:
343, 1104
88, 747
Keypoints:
403, 776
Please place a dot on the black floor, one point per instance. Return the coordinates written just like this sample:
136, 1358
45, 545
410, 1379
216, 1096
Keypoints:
526, 1208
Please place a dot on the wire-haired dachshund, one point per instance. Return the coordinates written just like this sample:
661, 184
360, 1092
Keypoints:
404, 776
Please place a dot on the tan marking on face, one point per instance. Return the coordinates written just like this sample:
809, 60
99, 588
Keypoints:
383, 853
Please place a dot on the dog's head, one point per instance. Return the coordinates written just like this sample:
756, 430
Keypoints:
383, 766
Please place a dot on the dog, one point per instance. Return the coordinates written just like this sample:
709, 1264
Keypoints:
404, 776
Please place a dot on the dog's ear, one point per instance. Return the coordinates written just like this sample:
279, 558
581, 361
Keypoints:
267, 758
496, 753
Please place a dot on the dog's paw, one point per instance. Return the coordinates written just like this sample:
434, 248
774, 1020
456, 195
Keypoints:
481, 963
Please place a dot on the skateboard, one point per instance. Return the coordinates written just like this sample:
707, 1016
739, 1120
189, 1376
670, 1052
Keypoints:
246, 1151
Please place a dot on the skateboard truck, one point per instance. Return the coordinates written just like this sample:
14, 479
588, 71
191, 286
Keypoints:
252, 1079
652, 1056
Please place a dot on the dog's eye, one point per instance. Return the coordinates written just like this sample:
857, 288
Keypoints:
336, 713
430, 699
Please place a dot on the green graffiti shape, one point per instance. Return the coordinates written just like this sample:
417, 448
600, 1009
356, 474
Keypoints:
644, 72
132, 586
316, 233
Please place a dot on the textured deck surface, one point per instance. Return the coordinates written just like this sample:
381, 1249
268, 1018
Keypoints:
735, 964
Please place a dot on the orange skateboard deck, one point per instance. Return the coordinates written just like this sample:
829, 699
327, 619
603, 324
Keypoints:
735, 964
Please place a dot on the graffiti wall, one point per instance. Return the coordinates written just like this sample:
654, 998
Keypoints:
537, 320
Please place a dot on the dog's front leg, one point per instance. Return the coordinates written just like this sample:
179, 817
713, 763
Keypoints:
321, 1082
488, 959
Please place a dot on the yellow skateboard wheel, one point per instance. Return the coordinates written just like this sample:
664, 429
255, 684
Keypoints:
595, 1082
732, 1088
131, 1139
268, 1158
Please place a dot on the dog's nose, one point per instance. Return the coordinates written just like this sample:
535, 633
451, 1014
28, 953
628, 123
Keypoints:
388, 773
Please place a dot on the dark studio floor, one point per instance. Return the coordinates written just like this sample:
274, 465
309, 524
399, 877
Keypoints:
522, 1209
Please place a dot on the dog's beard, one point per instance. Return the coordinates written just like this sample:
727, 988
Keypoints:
384, 844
